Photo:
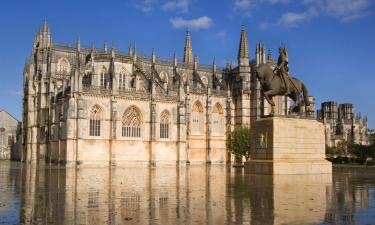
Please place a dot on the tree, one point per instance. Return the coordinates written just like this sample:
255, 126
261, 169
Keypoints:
331, 152
239, 142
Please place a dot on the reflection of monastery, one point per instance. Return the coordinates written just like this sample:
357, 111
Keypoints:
211, 195
88, 105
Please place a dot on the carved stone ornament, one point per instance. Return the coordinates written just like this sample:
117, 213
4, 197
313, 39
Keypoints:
261, 141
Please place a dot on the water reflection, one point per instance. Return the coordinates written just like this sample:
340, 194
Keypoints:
186, 195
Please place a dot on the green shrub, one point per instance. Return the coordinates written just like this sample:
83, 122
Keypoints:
239, 142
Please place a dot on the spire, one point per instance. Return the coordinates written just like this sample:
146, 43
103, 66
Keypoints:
263, 53
269, 56
214, 65
153, 56
113, 50
188, 51
45, 35
174, 59
130, 49
196, 62
260, 54
105, 46
243, 51
92, 49
134, 53
228, 65
45, 26
78, 43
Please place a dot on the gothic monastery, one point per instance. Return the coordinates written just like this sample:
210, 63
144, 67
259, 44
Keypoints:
102, 106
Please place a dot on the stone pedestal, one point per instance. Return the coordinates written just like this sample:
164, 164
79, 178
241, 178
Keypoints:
288, 145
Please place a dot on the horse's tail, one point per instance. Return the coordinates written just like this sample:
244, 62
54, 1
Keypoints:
305, 95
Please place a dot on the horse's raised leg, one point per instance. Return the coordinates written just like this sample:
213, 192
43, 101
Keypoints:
268, 95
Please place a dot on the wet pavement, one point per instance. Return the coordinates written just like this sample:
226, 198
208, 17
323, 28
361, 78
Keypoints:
210, 195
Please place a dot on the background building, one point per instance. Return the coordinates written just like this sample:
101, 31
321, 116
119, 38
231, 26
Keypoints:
372, 137
10, 135
341, 124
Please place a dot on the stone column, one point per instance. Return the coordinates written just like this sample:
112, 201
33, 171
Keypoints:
113, 131
229, 121
208, 124
181, 126
188, 111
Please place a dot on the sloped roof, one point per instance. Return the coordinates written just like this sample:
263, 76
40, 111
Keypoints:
10, 115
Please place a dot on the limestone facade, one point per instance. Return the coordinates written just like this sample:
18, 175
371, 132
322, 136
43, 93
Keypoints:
102, 106
341, 124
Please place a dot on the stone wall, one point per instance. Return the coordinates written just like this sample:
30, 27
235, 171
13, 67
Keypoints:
10, 137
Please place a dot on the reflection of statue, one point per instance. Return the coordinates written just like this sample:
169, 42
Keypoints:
282, 68
280, 83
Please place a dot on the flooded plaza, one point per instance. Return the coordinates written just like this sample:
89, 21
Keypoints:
183, 195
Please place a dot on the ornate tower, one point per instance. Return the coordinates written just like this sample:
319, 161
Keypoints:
188, 51
241, 86
36, 97
243, 51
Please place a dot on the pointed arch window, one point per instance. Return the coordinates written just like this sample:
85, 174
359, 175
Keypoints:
86, 80
95, 118
133, 81
131, 123
205, 82
164, 78
105, 78
63, 66
122, 79
184, 78
217, 120
197, 118
164, 124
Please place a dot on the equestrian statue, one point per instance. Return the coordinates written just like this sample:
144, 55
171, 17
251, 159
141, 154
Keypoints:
277, 82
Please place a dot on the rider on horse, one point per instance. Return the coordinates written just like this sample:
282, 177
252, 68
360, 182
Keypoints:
282, 68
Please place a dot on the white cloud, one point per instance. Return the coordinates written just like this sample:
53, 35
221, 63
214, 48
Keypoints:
221, 34
264, 25
180, 5
355, 16
242, 4
292, 19
145, 6
203, 22
278, 1
346, 7
247, 4
345, 10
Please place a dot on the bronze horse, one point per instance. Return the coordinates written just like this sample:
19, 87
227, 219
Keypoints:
272, 86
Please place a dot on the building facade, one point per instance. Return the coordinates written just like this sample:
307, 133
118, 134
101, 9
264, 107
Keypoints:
10, 136
341, 124
89, 105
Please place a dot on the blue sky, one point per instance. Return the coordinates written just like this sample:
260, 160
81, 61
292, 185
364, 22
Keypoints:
331, 43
